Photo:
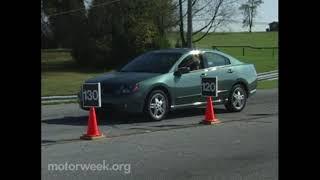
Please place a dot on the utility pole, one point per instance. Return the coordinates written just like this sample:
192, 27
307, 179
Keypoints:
189, 30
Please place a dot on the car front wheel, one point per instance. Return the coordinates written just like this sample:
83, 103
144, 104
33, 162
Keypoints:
157, 105
237, 99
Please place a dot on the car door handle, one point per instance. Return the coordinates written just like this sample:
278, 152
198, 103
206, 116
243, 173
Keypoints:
230, 71
203, 74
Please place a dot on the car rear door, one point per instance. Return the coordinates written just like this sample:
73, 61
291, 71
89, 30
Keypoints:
219, 65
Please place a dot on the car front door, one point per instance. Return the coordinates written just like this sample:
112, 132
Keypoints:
187, 85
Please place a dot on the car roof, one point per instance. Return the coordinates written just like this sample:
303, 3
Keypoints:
181, 50
177, 50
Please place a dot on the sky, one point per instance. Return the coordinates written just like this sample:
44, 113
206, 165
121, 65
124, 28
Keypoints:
267, 13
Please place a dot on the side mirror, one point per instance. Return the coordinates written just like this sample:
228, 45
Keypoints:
182, 70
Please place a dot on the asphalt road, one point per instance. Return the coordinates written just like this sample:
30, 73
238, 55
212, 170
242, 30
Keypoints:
243, 146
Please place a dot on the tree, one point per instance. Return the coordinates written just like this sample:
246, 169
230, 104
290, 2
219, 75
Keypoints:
249, 11
164, 19
183, 41
64, 26
214, 14
110, 32
189, 31
119, 31
47, 39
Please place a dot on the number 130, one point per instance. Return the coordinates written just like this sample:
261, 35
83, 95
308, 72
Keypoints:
91, 95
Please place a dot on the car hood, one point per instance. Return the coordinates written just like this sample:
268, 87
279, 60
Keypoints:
121, 77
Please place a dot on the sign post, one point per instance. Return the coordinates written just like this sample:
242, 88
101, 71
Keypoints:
91, 97
209, 89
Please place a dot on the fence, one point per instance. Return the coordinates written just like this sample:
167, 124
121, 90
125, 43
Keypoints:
248, 50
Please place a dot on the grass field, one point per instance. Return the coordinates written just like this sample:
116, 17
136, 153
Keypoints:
234, 39
267, 84
61, 76
263, 59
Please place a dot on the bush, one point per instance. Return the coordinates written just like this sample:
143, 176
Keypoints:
178, 44
115, 34
161, 42
92, 53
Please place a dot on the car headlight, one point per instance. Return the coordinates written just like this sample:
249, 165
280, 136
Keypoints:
128, 89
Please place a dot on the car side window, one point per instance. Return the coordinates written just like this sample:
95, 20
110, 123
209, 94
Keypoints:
214, 59
194, 62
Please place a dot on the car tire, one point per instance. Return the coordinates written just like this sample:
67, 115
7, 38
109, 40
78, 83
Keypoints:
157, 105
237, 99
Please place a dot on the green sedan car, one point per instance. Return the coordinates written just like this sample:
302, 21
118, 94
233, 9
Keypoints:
160, 81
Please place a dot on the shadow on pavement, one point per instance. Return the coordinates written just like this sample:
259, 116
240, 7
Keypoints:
123, 118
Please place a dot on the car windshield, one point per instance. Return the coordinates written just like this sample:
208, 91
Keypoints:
153, 62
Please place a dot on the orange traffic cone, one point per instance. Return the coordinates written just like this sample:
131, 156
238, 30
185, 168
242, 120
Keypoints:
210, 117
93, 130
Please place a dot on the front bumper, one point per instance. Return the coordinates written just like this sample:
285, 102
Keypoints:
132, 103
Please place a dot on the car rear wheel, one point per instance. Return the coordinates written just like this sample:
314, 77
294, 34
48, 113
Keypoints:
157, 106
237, 99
